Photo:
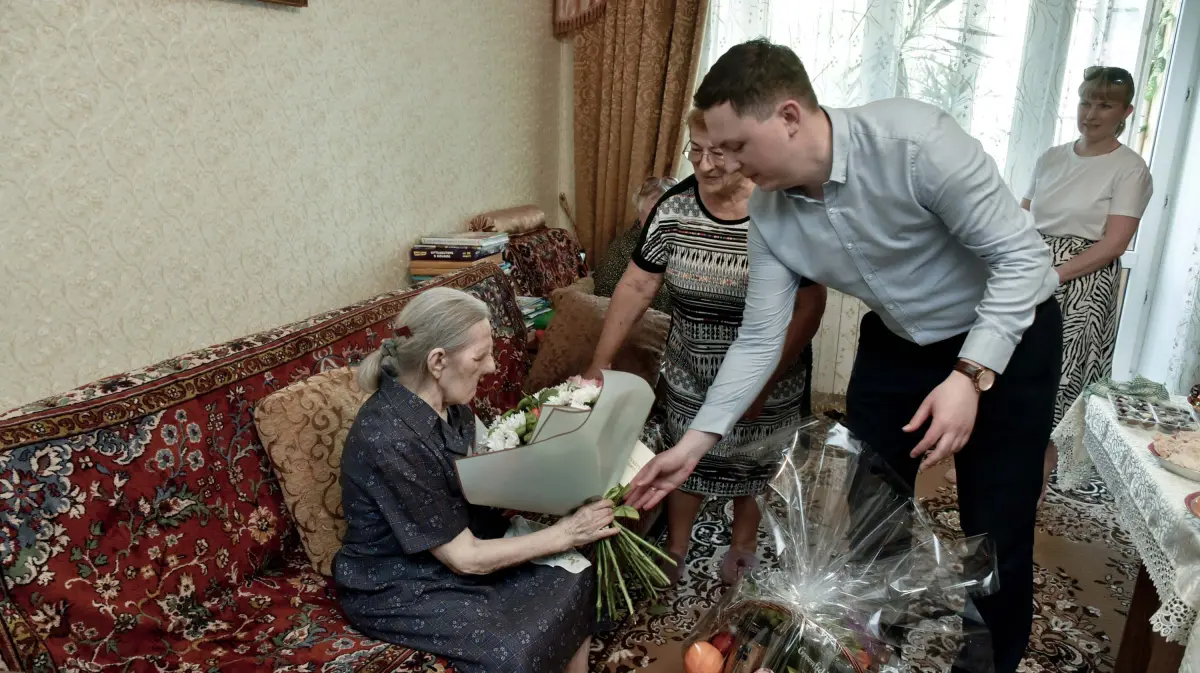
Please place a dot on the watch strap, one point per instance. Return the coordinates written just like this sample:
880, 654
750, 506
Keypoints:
971, 371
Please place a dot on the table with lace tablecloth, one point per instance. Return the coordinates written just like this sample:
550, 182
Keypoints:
1151, 510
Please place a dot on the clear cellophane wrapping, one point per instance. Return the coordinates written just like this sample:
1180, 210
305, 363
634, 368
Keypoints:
862, 584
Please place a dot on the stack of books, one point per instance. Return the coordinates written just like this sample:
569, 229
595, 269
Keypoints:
536, 311
446, 253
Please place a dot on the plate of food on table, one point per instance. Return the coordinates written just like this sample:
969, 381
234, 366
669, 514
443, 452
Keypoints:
1178, 453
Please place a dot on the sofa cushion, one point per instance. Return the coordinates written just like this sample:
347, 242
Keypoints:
570, 341
303, 428
140, 515
544, 260
586, 285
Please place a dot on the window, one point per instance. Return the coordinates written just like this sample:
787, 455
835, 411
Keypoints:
1007, 70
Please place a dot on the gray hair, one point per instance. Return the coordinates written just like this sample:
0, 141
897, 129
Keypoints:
652, 188
439, 317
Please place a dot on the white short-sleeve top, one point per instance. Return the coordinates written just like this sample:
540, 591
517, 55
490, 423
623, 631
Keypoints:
1072, 195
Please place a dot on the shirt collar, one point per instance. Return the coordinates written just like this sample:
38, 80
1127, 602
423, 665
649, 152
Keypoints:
840, 148
841, 143
423, 420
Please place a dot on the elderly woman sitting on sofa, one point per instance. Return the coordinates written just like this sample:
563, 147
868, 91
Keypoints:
420, 566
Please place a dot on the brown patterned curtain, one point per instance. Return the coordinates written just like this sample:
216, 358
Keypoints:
634, 75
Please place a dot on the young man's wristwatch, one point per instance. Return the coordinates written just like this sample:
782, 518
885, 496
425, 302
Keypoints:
982, 377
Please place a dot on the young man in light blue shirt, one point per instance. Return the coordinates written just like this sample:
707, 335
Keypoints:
895, 204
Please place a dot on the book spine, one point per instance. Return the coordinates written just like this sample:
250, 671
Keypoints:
440, 265
465, 242
449, 254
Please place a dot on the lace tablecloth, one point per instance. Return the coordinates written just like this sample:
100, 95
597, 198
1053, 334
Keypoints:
1150, 504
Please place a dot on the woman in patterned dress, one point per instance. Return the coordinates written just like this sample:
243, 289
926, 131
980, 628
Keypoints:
694, 242
421, 567
1087, 198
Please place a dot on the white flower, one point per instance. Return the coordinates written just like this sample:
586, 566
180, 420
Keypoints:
502, 438
515, 423
495, 440
511, 440
559, 399
585, 397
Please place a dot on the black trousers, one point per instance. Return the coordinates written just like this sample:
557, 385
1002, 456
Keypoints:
1000, 468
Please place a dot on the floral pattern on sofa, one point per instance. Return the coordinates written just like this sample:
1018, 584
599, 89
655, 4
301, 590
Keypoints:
143, 529
544, 260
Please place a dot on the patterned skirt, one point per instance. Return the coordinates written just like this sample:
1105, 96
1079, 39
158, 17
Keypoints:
1089, 308
727, 470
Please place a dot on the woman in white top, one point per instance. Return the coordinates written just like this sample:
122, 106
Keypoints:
1087, 197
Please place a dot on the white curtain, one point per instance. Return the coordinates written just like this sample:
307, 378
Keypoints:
1184, 367
1008, 71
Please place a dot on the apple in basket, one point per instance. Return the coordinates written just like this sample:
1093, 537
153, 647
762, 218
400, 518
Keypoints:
723, 641
703, 657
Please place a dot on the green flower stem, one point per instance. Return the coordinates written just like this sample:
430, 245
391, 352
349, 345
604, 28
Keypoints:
626, 554
651, 573
645, 580
610, 585
628, 562
599, 579
624, 591
602, 559
634, 556
632, 552
645, 544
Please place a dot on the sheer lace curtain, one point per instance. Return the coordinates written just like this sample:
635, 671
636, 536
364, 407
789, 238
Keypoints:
1007, 70
1184, 367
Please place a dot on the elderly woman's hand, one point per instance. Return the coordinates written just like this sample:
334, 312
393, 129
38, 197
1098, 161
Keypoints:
589, 523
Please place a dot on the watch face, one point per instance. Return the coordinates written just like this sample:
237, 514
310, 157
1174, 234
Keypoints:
987, 379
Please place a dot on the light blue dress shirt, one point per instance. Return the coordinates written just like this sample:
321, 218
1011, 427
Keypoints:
916, 222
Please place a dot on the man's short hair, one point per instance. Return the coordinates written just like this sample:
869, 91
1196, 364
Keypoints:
754, 77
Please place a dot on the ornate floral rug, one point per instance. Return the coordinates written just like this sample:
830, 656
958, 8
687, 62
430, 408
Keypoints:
1084, 579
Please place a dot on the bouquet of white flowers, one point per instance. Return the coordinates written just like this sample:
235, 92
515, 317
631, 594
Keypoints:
515, 427
624, 561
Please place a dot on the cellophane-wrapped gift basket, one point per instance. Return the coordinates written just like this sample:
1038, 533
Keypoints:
863, 584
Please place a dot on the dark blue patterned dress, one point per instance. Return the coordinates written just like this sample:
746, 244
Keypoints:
401, 497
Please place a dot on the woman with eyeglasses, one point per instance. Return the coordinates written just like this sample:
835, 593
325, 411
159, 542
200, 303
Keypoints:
694, 243
1087, 198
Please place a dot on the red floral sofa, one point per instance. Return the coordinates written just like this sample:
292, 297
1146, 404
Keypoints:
544, 260
142, 527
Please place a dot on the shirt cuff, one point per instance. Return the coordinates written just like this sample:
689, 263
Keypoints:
713, 421
988, 349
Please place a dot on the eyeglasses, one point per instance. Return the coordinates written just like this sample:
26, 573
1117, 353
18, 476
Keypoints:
1108, 74
696, 156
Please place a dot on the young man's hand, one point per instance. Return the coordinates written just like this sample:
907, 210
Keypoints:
668, 470
952, 406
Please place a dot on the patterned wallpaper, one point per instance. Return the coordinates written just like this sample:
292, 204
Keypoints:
176, 173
